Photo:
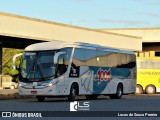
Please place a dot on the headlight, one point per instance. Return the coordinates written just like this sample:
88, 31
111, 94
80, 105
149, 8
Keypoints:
19, 84
50, 84
53, 83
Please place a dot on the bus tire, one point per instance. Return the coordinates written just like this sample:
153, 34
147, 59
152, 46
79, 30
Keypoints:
40, 98
73, 93
139, 89
150, 89
119, 92
91, 97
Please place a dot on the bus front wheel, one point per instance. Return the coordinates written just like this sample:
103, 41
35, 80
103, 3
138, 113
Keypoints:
150, 89
73, 93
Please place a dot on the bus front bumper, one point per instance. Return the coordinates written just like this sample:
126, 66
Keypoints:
47, 91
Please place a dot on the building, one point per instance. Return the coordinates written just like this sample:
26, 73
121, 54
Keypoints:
19, 31
150, 36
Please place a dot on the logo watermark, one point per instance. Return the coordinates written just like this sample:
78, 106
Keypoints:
79, 106
21, 114
6, 114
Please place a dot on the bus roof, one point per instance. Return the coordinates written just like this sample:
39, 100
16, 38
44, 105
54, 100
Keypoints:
59, 44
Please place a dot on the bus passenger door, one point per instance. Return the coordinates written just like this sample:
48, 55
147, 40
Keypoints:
61, 74
62, 67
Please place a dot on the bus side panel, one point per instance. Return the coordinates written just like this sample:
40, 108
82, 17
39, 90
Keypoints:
86, 80
103, 80
109, 78
128, 86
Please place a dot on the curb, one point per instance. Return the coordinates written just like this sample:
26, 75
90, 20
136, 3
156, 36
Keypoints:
14, 96
10, 94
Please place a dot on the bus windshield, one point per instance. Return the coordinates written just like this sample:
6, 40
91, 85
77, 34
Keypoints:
37, 66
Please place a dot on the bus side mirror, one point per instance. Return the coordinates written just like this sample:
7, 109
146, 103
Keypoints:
14, 60
57, 55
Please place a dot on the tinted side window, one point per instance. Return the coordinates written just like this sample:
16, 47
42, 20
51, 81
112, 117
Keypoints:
106, 59
90, 57
79, 58
101, 58
126, 60
84, 57
62, 64
66, 56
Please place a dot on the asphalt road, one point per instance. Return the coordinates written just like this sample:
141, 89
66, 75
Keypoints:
103, 103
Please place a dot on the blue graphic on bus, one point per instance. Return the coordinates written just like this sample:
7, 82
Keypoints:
104, 75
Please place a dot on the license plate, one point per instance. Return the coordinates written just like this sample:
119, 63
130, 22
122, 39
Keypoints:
33, 92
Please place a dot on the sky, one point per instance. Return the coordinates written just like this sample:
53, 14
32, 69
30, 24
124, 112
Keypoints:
89, 13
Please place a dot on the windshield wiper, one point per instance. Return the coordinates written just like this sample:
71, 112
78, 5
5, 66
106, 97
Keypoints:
41, 74
32, 69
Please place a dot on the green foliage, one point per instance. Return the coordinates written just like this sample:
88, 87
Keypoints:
7, 55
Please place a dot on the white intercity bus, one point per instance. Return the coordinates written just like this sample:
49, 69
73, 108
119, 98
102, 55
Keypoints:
70, 69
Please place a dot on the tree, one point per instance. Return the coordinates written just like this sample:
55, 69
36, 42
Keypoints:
7, 55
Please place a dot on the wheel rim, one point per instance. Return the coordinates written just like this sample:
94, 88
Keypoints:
150, 89
137, 90
73, 92
119, 92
